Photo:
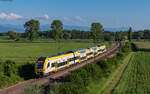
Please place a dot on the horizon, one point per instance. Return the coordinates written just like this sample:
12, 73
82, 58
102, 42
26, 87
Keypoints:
111, 14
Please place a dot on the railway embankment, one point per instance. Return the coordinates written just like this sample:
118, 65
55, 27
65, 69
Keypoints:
16, 89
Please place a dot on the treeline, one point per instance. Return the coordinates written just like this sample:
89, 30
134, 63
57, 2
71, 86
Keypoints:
77, 82
56, 32
72, 34
78, 34
142, 34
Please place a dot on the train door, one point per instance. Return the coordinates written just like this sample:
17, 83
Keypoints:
97, 51
79, 58
48, 67
86, 56
68, 60
56, 66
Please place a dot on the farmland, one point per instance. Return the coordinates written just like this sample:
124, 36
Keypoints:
145, 45
136, 79
29, 52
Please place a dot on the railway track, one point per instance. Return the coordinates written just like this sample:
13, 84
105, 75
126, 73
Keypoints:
16, 89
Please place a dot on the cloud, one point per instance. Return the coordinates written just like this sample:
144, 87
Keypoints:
10, 16
66, 19
46, 16
78, 18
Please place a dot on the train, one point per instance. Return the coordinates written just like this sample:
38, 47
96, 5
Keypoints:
51, 64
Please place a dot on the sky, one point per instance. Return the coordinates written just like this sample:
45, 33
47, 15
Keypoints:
110, 13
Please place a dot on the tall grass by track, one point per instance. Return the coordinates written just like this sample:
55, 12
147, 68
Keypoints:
136, 79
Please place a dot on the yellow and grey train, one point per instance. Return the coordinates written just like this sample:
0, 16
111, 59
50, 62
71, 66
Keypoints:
49, 64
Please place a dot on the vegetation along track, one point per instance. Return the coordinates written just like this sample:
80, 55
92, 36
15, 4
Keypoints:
16, 89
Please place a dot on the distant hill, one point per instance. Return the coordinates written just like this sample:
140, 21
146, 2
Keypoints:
7, 27
20, 28
117, 29
68, 27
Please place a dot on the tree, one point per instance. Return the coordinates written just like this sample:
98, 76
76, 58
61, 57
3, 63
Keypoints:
32, 28
130, 34
13, 35
57, 27
96, 30
108, 37
67, 35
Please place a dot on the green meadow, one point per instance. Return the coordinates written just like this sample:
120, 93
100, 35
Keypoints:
29, 52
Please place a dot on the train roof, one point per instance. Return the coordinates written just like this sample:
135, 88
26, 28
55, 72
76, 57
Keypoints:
79, 50
72, 51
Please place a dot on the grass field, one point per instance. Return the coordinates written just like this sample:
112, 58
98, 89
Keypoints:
29, 52
136, 79
142, 44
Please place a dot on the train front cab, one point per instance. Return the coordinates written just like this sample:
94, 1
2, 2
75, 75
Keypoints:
39, 66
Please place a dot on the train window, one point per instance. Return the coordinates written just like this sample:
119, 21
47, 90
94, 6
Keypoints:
83, 58
59, 64
90, 53
76, 58
53, 64
64, 63
48, 65
40, 65
72, 59
99, 50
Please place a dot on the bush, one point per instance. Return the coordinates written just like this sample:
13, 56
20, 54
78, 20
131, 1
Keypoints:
10, 68
13, 35
3, 80
70, 88
8, 73
105, 66
33, 89
78, 75
53, 89
93, 70
126, 48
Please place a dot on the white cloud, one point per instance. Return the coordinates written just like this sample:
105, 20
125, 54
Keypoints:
10, 16
46, 16
79, 18
66, 19
3, 16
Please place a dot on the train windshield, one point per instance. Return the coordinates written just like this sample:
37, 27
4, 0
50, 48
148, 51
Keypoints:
40, 65
40, 62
